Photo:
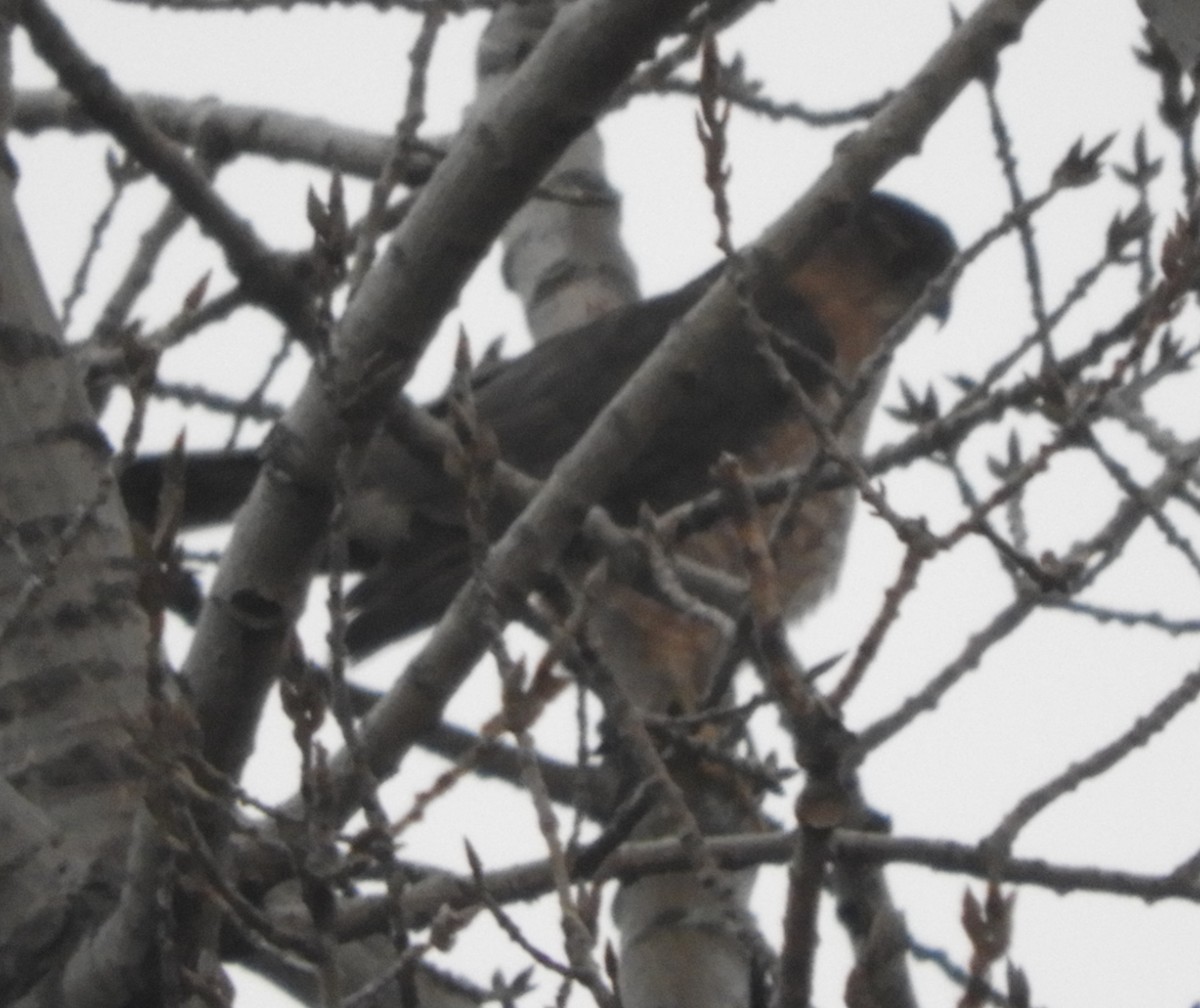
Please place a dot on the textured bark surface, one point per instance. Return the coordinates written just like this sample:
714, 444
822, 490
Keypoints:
73, 637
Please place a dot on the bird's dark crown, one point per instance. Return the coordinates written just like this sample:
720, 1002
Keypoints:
911, 240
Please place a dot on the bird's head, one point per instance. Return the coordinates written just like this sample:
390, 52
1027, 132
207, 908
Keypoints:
869, 270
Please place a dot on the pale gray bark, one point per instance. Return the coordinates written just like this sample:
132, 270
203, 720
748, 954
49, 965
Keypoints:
683, 938
563, 254
73, 637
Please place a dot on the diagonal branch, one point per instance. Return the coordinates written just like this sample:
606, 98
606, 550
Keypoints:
499, 157
265, 276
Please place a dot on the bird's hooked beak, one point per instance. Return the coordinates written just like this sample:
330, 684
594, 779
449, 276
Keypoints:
939, 308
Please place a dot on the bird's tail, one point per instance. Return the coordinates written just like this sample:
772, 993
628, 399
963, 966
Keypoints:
214, 486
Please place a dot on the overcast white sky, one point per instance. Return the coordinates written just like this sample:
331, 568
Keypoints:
1048, 695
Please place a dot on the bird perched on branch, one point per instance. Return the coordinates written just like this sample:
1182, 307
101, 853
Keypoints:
813, 323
